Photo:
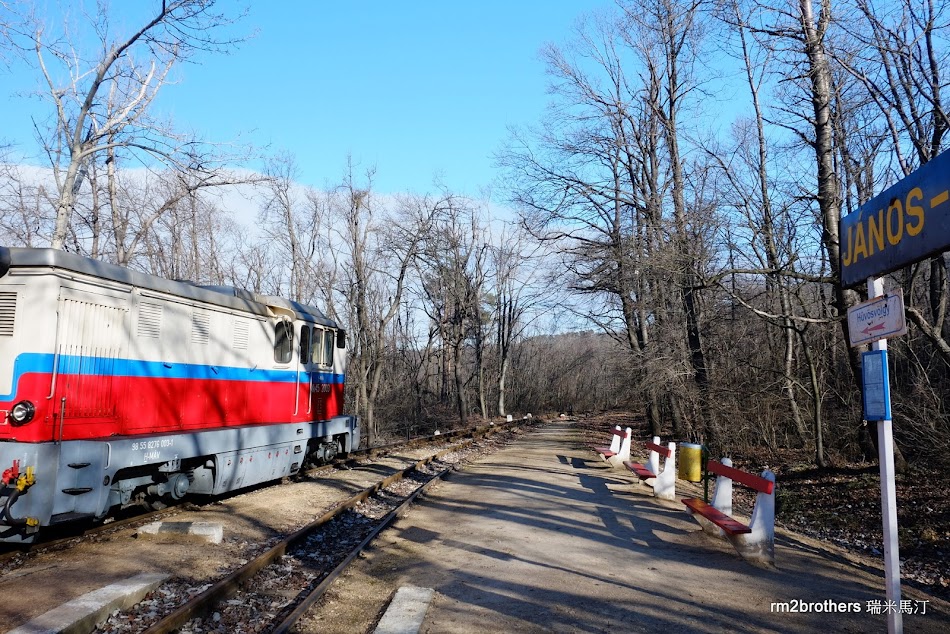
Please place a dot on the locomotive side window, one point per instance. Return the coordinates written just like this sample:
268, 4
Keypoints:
283, 341
328, 348
317, 352
304, 344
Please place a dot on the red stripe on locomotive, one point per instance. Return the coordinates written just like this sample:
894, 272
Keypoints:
139, 405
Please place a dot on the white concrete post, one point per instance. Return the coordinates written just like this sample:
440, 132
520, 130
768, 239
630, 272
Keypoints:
653, 462
623, 455
615, 441
759, 545
722, 495
665, 485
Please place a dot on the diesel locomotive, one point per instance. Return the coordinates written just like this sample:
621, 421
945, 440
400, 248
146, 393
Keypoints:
120, 388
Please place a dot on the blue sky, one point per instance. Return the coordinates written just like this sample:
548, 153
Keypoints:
417, 89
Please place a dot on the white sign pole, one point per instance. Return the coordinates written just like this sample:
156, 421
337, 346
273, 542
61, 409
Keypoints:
885, 448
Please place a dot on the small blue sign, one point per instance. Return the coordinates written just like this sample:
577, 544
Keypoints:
907, 222
877, 393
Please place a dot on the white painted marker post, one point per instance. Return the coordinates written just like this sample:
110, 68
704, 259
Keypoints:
885, 449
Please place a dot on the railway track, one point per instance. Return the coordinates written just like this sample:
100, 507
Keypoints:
295, 566
311, 556
66, 536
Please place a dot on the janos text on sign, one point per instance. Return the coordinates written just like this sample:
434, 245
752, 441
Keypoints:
884, 229
904, 224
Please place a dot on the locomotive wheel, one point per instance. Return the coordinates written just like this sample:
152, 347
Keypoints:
178, 485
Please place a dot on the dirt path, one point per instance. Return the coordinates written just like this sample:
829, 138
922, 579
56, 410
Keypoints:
542, 537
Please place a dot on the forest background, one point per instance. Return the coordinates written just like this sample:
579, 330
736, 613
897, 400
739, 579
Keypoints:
650, 262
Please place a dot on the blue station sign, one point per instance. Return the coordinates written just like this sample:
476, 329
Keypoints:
907, 222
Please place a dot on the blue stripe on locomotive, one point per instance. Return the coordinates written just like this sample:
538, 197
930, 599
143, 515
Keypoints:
42, 363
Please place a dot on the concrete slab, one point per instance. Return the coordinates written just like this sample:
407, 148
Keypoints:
83, 614
406, 611
210, 532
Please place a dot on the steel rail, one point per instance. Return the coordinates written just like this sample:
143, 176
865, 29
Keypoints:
372, 452
202, 603
314, 595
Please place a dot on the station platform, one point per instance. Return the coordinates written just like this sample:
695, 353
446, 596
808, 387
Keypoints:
543, 536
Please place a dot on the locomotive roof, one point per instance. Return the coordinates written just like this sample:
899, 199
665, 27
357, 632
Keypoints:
226, 296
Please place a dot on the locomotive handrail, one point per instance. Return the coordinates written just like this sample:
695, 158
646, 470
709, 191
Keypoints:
62, 418
294, 345
52, 383
310, 393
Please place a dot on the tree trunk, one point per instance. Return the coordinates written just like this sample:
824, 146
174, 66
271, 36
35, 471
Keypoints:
820, 461
829, 199
461, 399
654, 418
502, 376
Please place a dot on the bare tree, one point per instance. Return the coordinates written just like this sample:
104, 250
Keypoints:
101, 97
453, 270
7, 16
590, 184
799, 36
768, 226
292, 222
514, 265
24, 204
381, 244
612, 183
900, 64
669, 37
193, 239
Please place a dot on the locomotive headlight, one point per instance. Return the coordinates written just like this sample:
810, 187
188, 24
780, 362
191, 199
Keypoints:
22, 413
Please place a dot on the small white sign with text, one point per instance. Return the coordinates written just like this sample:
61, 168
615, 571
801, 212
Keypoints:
878, 318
